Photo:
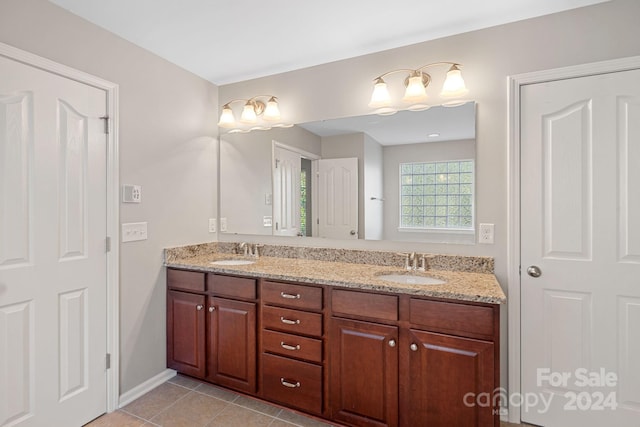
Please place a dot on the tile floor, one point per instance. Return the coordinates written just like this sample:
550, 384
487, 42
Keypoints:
186, 402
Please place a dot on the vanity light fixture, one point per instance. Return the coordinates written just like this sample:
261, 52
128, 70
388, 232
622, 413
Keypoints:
256, 111
416, 83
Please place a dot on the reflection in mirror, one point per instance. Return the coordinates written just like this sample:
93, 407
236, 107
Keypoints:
408, 176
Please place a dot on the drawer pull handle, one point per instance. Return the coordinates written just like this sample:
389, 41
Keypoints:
289, 384
414, 347
392, 343
199, 307
289, 321
289, 296
212, 309
289, 347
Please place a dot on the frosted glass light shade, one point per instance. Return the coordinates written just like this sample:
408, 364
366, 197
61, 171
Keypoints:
416, 90
380, 96
249, 114
227, 119
272, 111
453, 86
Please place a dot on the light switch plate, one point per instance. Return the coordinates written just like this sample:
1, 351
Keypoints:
212, 225
267, 221
134, 231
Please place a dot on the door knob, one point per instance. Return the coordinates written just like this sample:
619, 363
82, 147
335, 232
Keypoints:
352, 232
534, 271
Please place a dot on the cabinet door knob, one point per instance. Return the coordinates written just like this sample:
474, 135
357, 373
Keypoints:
289, 384
212, 309
289, 296
289, 321
414, 347
392, 343
199, 307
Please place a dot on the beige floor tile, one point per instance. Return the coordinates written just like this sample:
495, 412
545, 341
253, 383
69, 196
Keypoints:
116, 419
156, 401
195, 409
237, 416
280, 423
185, 381
217, 392
301, 420
257, 405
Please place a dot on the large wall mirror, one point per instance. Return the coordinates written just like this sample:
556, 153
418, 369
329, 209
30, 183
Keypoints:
408, 176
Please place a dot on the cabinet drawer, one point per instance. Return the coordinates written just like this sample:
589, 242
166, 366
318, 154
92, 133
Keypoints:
186, 280
453, 318
294, 321
364, 304
238, 287
292, 346
295, 296
293, 383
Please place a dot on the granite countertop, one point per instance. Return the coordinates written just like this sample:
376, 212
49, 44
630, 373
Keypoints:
459, 285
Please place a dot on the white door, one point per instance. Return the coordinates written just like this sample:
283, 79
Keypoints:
338, 198
580, 219
286, 192
52, 249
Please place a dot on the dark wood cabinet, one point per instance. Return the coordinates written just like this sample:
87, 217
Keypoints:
231, 347
359, 358
445, 376
364, 373
186, 333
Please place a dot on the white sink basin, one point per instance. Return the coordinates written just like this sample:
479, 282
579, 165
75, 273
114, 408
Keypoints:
233, 262
411, 279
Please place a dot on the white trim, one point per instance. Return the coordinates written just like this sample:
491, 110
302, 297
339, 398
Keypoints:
513, 154
113, 183
146, 387
303, 153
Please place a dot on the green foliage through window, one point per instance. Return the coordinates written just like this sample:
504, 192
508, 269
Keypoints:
437, 195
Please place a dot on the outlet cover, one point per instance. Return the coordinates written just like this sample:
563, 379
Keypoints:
131, 194
267, 221
486, 234
212, 225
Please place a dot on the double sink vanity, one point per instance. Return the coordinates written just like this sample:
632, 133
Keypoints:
346, 335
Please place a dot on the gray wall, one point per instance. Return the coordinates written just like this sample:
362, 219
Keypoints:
167, 127
343, 88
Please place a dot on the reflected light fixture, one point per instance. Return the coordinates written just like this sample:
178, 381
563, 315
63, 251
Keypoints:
416, 83
256, 111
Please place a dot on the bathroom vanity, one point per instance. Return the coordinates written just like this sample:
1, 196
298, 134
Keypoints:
333, 340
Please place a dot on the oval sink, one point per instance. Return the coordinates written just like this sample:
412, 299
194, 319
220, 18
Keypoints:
410, 279
233, 262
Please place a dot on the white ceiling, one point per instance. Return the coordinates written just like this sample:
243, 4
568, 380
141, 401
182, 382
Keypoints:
226, 41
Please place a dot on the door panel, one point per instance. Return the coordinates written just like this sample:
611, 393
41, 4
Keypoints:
52, 248
286, 192
580, 147
338, 198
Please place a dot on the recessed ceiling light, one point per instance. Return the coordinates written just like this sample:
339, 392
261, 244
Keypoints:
434, 135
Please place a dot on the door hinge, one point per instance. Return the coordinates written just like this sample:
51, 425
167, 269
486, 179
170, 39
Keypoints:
108, 244
108, 361
318, 221
276, 226
520, 270
106, 124
277, 163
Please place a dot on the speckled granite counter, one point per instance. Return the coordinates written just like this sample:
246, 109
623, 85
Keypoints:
473, 284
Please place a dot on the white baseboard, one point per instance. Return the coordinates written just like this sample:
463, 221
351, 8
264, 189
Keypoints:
145, 387
504, 414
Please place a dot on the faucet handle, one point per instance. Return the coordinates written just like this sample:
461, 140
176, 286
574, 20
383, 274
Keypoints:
406, 256
256, 249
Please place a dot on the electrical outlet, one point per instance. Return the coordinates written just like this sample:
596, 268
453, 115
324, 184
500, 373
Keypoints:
212, 225
134, 231
131, 194
267, 221
223, 225
486, 234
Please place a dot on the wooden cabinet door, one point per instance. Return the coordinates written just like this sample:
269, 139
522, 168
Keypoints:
364, 373
232, 344
186, 333
445, 375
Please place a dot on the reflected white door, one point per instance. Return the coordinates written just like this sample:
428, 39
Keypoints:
286, 192
580, 218
52, 249
338, 198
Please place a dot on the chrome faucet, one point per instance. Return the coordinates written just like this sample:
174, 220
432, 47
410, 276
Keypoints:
244, 247
412, 260
254, 250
